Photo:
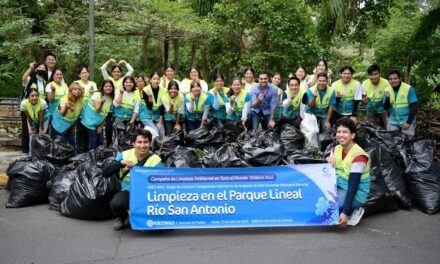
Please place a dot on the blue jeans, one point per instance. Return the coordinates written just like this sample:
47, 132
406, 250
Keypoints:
153, 125
192, 125
66, 136
257, 118
95, 139
341, 199
219, 122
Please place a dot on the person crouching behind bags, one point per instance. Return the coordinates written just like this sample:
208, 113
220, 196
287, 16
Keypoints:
197, 107
237, 110
293, 103
95, 113
150, 111
174, 105
352, 165
37, 117
67, 112
139, 155
126, 100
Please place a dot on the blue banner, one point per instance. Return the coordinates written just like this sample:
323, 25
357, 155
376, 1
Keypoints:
177, 198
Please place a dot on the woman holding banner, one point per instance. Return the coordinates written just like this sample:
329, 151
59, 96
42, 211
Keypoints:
352, 165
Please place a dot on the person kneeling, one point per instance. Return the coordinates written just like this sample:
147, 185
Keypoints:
352, 173
139, 155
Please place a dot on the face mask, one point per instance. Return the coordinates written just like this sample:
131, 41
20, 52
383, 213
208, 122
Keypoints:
41, 72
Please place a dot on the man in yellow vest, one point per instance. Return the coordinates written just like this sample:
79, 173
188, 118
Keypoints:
139, 155
401, 102
374, 88
352, 166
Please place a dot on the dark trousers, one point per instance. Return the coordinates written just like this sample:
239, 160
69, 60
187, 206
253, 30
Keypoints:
95, 139
108, 129
82, 139
24, 133
120, 203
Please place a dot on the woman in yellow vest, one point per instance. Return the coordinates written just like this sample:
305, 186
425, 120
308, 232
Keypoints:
95, 112
55, 90
174, 107
126, 100
194, 75
116, 71
218, 99
276, 80
249, 81
34, 109
352, 166
293, 103
300, 73
139, 155
238, 108
321, 66
349, 93
67, 113
374, 88
150, 110
197, 107
170, 75
89, 87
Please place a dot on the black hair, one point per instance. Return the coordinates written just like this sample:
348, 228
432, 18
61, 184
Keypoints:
301, 67
193, 83
53, 73
195, 68
173, 83
346, 67
154, 73
116, 66
346, 122
50, 54
373, 68
262, 72
128, 78
293, 78
323, 60
219, 75
83, 67
395, 72
30, 90
248, 68
142, 78
170, 66
235, 78
276, 73
33, 77
142, 133
322, 74
102, 87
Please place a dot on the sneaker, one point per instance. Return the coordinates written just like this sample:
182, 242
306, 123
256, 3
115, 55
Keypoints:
118, 224
127, 222
355, 217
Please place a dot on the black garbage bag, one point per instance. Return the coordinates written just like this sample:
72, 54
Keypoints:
121, 136
382, 164
60, 185
227, 156
423, 174
327, 137
231, 132
181, 157
262, 147
90, 194
28, 181
204, 136
303, 157
167, 144
54, 149
292, 138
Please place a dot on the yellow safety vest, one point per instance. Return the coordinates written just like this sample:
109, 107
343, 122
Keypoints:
130, 155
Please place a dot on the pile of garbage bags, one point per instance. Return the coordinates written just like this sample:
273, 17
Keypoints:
403, 172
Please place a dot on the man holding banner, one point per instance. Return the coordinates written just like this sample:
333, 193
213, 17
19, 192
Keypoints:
139, 155
352, 173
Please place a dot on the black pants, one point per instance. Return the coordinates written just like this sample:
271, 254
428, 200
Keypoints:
108, 129
82, 138
24, 133
120, 204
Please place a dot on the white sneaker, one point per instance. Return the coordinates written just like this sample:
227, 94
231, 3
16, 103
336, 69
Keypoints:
355, 217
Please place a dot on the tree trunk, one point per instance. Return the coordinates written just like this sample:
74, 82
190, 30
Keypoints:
408, 70
166, 50
176, 54
193, 53
145, 51
205, 66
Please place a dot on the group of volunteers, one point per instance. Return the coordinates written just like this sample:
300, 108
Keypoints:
83, 113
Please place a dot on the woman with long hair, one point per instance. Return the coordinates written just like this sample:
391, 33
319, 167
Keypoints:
197, 107
126, 100
116, 72
174, 106
218, 99
320, 67
55, 90
237, 110
193, 75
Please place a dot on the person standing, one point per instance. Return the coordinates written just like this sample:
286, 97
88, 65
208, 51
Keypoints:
374, 88
218, 99
264, 102
237, 110
197, 107
55, 90
401, 102
174, 106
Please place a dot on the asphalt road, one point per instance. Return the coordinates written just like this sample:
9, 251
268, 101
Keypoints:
38, 235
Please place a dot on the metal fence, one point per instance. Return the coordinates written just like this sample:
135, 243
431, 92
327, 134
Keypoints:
9, 109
